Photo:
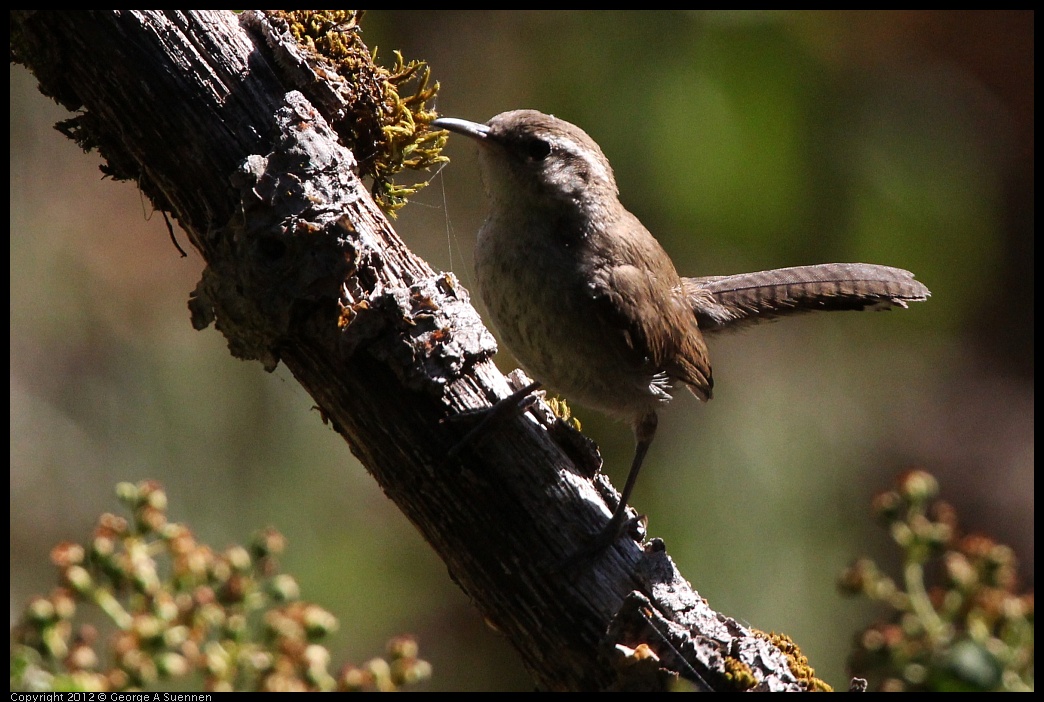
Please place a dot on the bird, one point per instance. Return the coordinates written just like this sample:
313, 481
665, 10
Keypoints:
589, 302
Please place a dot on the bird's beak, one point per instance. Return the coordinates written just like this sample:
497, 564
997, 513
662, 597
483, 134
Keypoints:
474, 130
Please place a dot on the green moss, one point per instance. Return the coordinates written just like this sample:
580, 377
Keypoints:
739, 674
562, 411
386, 123
797, 661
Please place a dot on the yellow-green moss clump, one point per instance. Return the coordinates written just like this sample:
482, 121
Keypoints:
386, 123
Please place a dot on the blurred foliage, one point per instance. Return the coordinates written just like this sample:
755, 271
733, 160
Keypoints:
182, 611
972, 632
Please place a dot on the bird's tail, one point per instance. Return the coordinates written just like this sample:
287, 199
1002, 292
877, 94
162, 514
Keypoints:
735, 301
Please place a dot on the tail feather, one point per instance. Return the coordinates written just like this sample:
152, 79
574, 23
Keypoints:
735, 301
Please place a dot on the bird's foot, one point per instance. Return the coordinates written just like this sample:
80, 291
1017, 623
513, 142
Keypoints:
487, 417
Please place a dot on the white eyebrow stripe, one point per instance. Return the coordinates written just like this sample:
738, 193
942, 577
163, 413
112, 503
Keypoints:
596, 165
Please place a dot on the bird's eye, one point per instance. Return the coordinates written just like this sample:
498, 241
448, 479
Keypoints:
538, 149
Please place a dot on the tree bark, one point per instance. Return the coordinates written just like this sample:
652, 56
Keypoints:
209, 113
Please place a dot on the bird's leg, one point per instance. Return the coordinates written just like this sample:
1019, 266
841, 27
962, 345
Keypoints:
644, 431
504, 408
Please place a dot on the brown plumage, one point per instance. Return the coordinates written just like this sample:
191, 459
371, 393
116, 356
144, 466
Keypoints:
589, 302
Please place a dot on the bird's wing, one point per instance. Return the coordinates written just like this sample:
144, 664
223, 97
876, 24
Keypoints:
653, 324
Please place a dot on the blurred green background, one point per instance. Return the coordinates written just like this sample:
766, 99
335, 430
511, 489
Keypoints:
744, 141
